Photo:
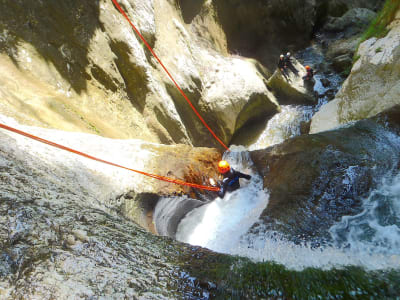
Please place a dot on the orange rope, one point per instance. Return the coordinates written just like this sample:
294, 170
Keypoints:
167, 179
170, 76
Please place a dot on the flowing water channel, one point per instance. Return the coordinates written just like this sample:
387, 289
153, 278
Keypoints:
370, 239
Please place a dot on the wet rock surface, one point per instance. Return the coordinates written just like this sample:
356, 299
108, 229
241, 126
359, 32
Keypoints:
316, 179
62, 237
361, 95
289, 87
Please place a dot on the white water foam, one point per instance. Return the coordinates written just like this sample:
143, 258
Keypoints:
370, 239
283, 125
377, 228
219, 225
224, 226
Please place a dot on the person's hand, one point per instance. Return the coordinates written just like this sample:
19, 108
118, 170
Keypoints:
212, 182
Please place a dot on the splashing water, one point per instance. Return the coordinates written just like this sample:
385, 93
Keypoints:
219, 225
377, 227
230, 226
283, 126
370, 239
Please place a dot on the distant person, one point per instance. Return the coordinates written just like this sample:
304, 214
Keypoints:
282, 66
289, 64
309, 75
230, 182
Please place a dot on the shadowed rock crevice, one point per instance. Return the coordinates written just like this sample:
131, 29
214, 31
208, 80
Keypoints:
134, 75
198, 133
171, 126
263, 29
257, 108
190, 9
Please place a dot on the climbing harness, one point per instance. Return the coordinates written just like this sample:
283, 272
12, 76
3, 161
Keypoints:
159, 177
169, 74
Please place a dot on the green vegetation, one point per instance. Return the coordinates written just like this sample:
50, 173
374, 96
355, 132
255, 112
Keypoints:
378, 27
232, 277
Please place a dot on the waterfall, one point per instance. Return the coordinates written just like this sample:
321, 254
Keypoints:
370, 239
220, 224
283, 125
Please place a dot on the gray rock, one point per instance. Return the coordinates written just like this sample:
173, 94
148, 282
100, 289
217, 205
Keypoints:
353, 21
304, 200
372, 86
325, 82
290, 88
342, 62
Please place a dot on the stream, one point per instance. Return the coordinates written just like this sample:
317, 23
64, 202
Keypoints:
370, 239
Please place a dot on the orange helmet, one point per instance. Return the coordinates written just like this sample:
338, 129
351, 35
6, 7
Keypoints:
223, 166
307, 67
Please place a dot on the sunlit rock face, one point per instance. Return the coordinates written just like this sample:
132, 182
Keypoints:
128, 193
81, 67
372, 86
62, 235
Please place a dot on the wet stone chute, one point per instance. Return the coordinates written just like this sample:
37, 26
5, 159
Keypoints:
220, 224
170, 210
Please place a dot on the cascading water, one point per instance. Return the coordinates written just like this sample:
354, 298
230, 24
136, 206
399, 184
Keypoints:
370, 239
283, 126
220, 224
377, 228
287, 123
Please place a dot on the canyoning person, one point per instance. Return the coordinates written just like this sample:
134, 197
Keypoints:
230, 182
289, 64
310, 74
282, 66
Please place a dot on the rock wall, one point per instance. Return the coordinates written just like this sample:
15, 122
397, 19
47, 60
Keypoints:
314, 180
128, 193
82, 68
265, 29
372, 86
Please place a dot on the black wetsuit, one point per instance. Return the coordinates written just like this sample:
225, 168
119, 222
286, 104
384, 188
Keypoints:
289, 64
231, 181
309, 75
281, 64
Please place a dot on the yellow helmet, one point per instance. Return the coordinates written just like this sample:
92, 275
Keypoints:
223, 166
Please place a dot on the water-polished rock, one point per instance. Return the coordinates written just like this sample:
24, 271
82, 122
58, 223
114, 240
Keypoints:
316, 179
372, 86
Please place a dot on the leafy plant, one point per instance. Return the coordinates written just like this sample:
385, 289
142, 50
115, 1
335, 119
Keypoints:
378, 27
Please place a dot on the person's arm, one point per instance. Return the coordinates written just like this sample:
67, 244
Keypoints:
223, 187
242, 175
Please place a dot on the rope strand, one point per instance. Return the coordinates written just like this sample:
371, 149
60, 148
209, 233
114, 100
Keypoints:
159, 177
169, 74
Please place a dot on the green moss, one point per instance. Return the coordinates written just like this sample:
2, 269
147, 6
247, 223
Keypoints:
240, 278
378, 27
